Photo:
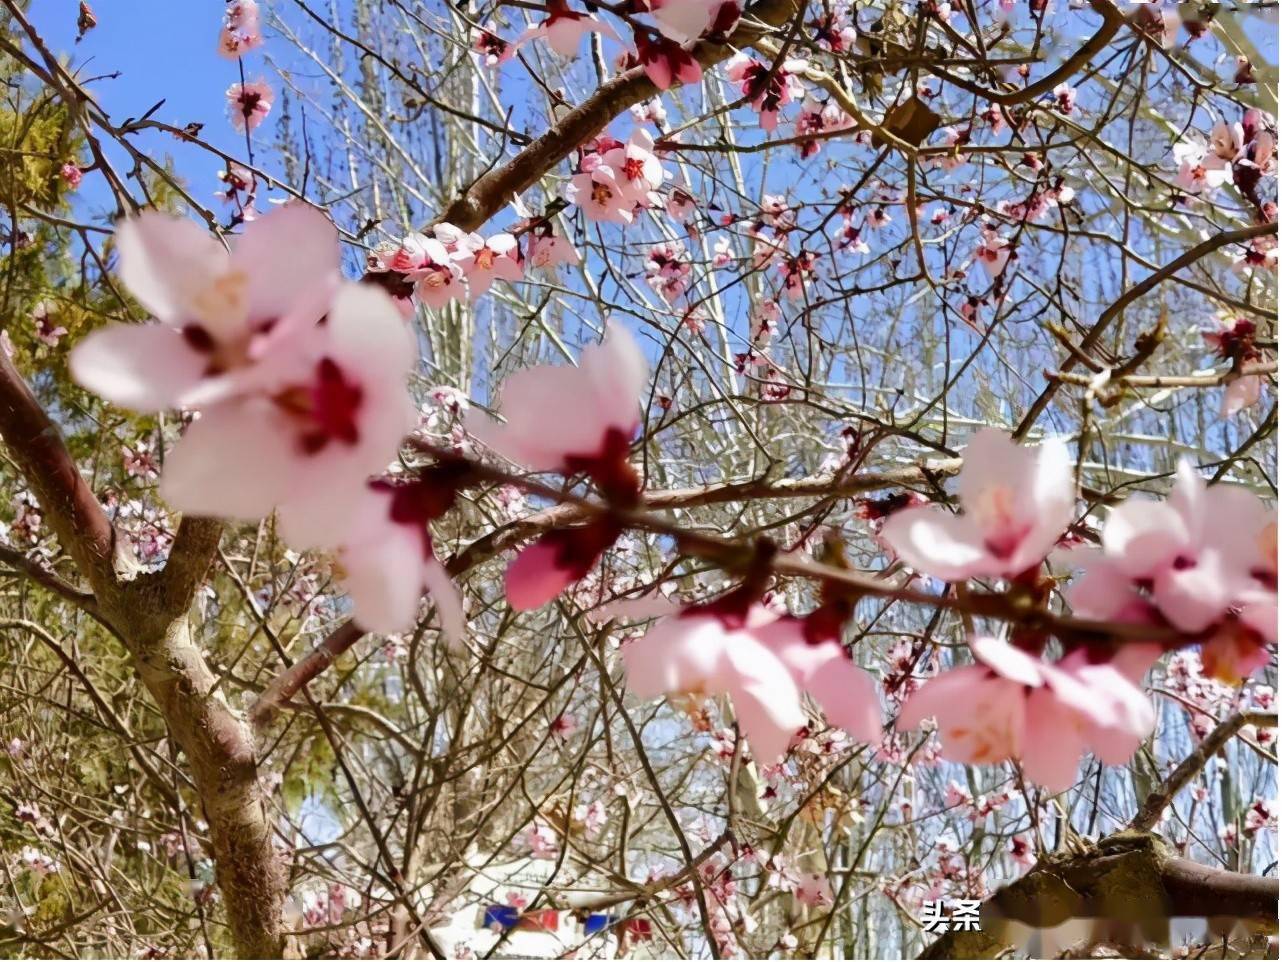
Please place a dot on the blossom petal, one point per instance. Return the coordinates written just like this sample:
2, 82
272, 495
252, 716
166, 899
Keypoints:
167, 262
232, 463
1008, 661
290, 257
1141, 535
143, 367
943, 545
534, 578
448, 601
1053, 746
385, 582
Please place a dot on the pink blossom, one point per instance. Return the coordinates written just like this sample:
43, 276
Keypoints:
139, 461
666, 62
681, 206
555, 561
570, 420
636, 169
545, 250
241, 31
814, 890
564, 30
1156, 22
490, 45
1242, 392
497, 258
541, 840
698, 653
71, 175
592, 816
719, 647
1065, 99
1017, 502
224, 317
434, 271
385, 559
48, 330
1263, 813
558, 417
1190, 557
601, 196
240, 185
994, 252
668, 270
1200, 169
33, 860
683, 21
1010, 705
823, 670
1022, 851
248, 104
1227, 141
650, 111
332, 414
767, 91
563, 726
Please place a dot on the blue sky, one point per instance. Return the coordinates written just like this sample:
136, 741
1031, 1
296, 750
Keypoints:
162, 50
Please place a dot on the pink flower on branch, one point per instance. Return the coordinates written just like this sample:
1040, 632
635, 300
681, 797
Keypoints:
224, 316
697, 652
333, 413
1204, 562
764, 662
385, 560
485, 260
572, 420
685, 21
1017, 502
248, 104
544, 249
242, 31
666, 62
1011, 706
768, 90
601, 195
563, 29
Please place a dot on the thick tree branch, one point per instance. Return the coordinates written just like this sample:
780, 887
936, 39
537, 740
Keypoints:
50, 581
289, 682
74, 514
150, 616
1129, 878
495, 189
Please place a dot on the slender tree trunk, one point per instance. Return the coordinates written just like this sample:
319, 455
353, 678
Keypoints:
149, 614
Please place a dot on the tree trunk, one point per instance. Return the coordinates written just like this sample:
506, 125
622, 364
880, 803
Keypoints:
149, 614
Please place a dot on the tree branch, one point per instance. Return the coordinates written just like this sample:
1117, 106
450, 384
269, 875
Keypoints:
1114, 310
1130, 879
1187, 770
74, 514
491, 192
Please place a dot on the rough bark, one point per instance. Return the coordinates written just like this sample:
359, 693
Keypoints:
149, 614
1130, 880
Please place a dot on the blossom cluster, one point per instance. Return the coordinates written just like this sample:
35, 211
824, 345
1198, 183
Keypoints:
617, 178
453, 265
296, 382
248, 102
